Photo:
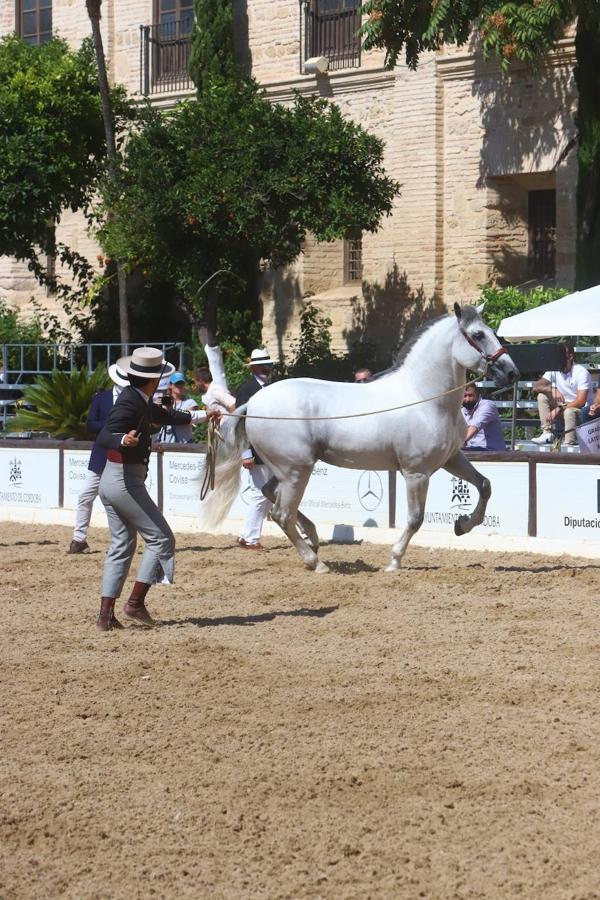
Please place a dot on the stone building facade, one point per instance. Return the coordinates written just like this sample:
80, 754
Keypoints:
487, 162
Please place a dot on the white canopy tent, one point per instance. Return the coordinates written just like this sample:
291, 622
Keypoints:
576, 314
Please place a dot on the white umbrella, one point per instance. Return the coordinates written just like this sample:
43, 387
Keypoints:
576, 314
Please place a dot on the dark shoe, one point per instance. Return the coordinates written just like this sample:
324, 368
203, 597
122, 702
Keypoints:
247, 546
106, 619
135, 609
78, 547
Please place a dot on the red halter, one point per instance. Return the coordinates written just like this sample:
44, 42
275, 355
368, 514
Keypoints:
490, 358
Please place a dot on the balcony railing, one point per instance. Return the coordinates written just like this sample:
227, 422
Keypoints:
330, 29
164, 56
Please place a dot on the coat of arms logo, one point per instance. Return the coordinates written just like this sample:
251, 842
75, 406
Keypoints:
15, 477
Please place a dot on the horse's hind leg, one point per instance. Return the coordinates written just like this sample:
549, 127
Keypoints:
416, 495
285, 513
459, 466
308, 530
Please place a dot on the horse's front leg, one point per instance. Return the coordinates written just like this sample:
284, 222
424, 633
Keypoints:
416, 495
459, 466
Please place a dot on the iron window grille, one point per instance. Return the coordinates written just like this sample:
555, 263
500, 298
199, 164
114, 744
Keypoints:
34, 21
352, 260
165, 48
541, 255
329, 28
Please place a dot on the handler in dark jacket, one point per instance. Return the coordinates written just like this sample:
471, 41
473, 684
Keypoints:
130, 509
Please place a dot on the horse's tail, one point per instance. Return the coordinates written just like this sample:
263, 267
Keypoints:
227, 470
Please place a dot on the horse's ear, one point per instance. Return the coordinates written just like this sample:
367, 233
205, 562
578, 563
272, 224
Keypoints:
480, 308
457, 311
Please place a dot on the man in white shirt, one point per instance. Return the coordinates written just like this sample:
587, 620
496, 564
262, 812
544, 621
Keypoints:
561, 397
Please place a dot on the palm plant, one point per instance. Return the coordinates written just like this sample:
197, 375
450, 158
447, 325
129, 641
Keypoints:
60, 402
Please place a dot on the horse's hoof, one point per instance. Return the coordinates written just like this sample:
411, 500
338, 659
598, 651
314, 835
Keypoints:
393, 567
321, 568
458, 529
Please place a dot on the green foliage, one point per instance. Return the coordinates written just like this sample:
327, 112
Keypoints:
503, 302
14, 329
52, 149
312, 356
311, 352
61, 403
242, 180
510, 29
212, 42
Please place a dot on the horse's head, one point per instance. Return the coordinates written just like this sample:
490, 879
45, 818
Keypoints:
477, 347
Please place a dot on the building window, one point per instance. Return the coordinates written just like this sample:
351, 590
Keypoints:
34, 20
541, 255
166, 47
331, 30
175, 17
352, 260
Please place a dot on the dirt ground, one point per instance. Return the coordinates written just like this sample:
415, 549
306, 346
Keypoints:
286, 735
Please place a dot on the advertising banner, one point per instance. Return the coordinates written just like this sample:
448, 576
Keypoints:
75, 466
181, 483
355, 497
449, 498
337, 496
568, 501
29, 478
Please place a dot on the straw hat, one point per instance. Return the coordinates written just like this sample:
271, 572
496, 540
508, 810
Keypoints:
260, 357
116, 376
145, 362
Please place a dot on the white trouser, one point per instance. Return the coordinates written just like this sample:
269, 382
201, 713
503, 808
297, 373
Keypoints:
258, 505
83, 513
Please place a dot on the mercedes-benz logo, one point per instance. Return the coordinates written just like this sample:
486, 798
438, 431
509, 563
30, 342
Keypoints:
370, 490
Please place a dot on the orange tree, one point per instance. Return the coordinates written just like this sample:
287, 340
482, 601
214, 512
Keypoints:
516, 30
231, 180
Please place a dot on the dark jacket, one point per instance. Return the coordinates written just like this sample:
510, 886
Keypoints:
102, 403
132, 413
244, 392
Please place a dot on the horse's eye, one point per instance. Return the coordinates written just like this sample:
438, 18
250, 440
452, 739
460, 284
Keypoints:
478, 335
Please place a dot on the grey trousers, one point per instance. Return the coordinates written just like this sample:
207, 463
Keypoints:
130, 509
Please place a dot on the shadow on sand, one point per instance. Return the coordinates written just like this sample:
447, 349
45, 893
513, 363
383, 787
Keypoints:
255, 619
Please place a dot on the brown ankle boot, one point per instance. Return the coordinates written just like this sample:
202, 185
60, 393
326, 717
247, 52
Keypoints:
135, 609
106, 619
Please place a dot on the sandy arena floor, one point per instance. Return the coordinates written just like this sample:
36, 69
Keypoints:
355, 735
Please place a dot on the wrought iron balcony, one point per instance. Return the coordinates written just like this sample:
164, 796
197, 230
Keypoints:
329, 28
164, 56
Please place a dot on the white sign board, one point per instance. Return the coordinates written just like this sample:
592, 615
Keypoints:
29, 478
337, 496
568, 501
181, 483
355, 497
75, 469
449, 498
588, 436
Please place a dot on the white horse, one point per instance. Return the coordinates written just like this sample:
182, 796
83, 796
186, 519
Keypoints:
325, 423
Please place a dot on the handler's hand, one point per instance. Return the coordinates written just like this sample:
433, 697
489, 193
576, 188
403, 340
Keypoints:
248, 463
213, 414
131, 439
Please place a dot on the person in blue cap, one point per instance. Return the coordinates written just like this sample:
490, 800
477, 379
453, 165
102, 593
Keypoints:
180, 434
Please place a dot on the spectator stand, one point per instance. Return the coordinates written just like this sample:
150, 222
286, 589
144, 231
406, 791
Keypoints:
534, 360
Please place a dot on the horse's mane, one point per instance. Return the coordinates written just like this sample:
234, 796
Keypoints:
410, 343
